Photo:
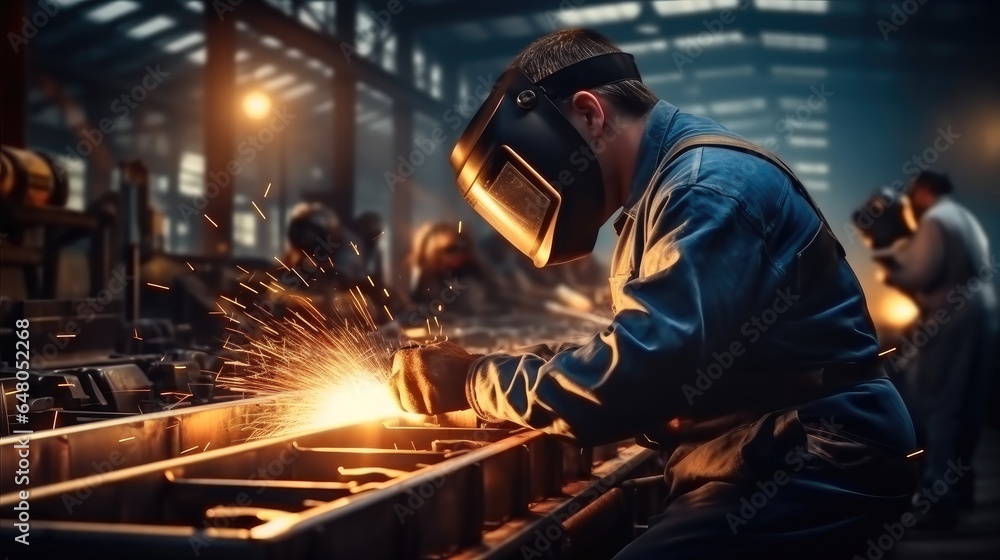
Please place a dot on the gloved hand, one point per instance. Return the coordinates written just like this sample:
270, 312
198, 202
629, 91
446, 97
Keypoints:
431, 379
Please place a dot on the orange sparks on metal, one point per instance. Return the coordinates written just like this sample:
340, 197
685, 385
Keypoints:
309, 257
460, 226
233, 301
70, 385
189, 266
160, 286
211, 221
889, 351
387, 312
386, 292
370, 281
258, 209
300, 277
245, 271
355, 247
190, 449
136, 335
283, 265
55, 418
123, 440
249, 288
206, 447
321, 374
267, 190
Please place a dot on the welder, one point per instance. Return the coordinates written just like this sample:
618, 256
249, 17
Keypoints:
741, 344
946, 267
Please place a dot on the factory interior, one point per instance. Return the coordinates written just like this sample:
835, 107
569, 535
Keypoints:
222, 222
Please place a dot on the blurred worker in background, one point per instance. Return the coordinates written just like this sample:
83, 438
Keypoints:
448, 272
947, 268
369, 228
741, 343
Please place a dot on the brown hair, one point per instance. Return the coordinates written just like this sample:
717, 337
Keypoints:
559, 49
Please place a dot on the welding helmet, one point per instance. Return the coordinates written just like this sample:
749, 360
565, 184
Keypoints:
523, 166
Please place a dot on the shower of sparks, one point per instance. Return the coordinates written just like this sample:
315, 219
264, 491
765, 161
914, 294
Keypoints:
889, 351
189, 266
249, 288
245, 271
370, 281
65, 336
211, 221
258, 209
190, 449
123, 440
915, 453
267, 190
386, 292
323, 371
460, 226
355, 247
386, 307
160, 286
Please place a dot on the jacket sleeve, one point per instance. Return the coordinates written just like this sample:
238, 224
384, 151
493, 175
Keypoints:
919, 264
699, 280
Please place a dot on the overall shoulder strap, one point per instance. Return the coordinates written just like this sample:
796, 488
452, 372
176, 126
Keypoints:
733, 143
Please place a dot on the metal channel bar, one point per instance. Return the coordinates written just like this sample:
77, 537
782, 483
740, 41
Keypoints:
75, 452
435, 510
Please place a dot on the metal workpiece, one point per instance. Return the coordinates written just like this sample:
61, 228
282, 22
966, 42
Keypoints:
182, 484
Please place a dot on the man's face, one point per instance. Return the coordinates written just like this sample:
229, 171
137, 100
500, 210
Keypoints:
921, 199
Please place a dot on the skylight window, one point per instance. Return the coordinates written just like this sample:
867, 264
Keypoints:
738, 106
299, 90
645, 47
280, 81
813, 6
184, 41
811, 168
705, 40
677, 7
808, 142
150, 27
624, 11
796, 41
112, 10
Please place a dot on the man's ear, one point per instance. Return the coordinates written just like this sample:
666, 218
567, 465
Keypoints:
588, 114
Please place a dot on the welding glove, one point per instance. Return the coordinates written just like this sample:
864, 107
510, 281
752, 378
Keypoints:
430, 379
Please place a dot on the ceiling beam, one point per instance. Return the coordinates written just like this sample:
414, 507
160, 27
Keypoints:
329, 49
